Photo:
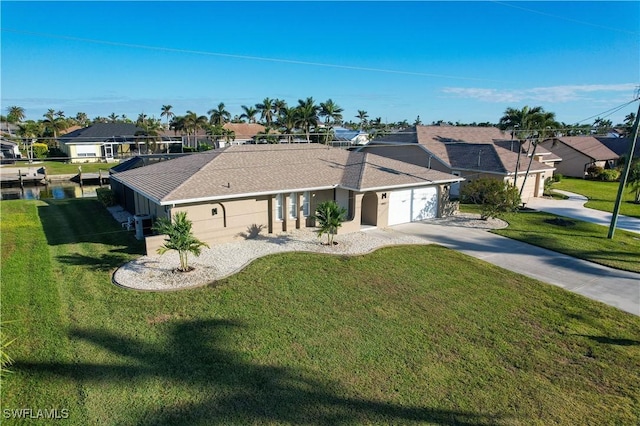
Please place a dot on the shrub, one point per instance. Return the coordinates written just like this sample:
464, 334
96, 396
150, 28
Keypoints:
40, 150
548, 183
330, 217
57, 154
494, 196
106, 196
594, 172
610, 175
557, 177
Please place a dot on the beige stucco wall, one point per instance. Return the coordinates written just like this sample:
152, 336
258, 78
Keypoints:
232, 219
573, 162
72, 151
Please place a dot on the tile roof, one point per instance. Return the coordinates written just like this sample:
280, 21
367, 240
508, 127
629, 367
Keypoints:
244, 130
248, 170
459, 147
589, 146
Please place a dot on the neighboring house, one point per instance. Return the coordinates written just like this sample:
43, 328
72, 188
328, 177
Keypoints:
226, 191
243, 132
579, 153
620, 145
108, 141
469, 152
9, 152
354, 137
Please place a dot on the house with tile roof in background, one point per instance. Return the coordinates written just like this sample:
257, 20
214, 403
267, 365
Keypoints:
470, 152
227, 191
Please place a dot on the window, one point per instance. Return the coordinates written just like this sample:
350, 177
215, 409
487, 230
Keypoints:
279, 205
305, 203
86, 150
293, 205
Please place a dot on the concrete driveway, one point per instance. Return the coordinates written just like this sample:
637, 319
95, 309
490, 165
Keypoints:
611, 286
574, 208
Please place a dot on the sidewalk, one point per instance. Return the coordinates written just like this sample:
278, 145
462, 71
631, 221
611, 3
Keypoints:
611, 286
574, 208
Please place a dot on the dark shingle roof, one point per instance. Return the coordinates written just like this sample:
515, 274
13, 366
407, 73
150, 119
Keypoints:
100, 132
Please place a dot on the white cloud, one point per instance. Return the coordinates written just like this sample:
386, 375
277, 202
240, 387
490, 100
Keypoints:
552, 94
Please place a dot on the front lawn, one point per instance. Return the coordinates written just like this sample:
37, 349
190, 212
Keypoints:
576, 238
601, 195
408, 334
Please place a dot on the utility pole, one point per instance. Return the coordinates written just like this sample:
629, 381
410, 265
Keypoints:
625, 174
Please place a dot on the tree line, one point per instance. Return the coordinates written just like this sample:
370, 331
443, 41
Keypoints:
304, 118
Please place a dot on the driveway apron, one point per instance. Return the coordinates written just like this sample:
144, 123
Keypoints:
611, 286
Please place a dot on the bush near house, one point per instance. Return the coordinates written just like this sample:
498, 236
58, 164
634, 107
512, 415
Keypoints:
106, 197
494, 197
40, 150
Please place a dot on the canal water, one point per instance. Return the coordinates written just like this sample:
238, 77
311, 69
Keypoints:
55, 191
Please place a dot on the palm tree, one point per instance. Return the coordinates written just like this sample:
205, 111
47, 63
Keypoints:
219, 116
307, 115
362, 116
166, 112
30, 131
54, 122
150, 132
113, 117
266, 111
278, 106
332, 114
249, 113
15, 114
330, 217
179, 238
287, 119
532, 124
628, 122
82, 119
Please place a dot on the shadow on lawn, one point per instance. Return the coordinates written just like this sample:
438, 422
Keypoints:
85, 220
230, 389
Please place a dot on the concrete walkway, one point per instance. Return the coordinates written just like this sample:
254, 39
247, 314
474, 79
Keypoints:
574, 208
613, 287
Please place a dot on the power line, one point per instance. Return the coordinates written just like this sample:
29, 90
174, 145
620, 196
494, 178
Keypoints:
248, 57
564, 18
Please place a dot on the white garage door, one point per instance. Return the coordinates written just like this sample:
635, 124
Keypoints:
411, 205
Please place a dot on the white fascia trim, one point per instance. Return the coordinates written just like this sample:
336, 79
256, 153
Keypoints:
245, 195
411, 185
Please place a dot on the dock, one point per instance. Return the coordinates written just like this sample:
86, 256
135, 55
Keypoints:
100, 178
22, 176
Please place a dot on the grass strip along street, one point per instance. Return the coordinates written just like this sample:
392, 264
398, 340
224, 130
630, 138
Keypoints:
407, 334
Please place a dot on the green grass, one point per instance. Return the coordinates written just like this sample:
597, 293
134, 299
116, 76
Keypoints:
408, 334
576, 238
58, 168
601, 195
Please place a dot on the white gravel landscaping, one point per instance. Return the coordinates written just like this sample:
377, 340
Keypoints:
155, 272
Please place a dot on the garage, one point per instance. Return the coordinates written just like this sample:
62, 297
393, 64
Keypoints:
411, 205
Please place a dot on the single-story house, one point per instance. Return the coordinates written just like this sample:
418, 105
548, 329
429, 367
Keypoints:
278, 187
579, 153
469, 152
108, 141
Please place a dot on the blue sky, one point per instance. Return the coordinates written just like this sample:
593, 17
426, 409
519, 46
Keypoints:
452, 61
